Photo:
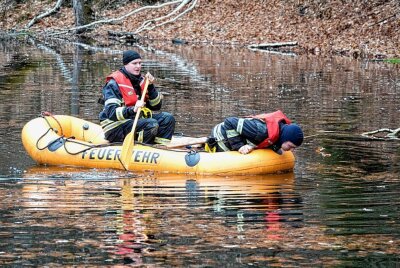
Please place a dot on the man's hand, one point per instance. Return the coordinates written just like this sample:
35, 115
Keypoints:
246, 149
139, 104
150, 77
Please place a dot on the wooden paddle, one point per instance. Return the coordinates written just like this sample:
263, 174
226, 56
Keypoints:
185, 141
129, 141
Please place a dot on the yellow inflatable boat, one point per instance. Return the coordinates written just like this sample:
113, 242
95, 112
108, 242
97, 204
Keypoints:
70, 141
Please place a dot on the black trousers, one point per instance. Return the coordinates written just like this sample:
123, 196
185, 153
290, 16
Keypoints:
161, 125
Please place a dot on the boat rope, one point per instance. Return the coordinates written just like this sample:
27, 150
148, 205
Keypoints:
41, 137
44, 114
72, 140
64, 140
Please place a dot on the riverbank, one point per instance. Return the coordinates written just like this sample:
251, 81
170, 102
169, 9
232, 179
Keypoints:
354, 29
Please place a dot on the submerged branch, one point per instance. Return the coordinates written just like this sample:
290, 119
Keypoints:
392, 133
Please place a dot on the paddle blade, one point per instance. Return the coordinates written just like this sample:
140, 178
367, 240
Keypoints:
127, 150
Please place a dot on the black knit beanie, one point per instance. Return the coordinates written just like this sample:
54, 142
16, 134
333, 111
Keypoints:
129, 56
291, 133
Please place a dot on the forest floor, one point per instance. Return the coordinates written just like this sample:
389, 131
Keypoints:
366, 29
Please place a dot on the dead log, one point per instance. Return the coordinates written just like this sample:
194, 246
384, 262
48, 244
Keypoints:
127, 36
272, 45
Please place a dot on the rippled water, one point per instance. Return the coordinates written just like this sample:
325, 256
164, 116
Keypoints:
338, 208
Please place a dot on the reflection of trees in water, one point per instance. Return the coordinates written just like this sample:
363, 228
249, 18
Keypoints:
314, 91
129, 227
321, 94
93, 218
79, 217
248, 203
276, 211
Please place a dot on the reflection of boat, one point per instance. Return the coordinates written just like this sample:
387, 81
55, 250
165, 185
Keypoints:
253, 184
136, 207
262, 184
70, 141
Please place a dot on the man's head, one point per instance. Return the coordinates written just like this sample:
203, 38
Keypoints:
291, 136
132, 62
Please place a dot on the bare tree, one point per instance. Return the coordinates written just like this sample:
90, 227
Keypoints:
182, 7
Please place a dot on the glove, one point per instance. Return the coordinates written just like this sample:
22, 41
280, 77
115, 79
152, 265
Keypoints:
133, 109
150, 77
246, 149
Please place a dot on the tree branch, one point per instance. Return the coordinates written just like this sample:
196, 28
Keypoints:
392, 133
41, 16
114, 20
146, 25
273, 45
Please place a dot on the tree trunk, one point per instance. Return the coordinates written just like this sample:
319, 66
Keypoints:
79, 14
83, 14
75, 92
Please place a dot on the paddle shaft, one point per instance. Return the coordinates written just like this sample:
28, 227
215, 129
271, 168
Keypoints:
129, 141
186, 142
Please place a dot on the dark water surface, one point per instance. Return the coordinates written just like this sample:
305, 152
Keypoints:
339, 208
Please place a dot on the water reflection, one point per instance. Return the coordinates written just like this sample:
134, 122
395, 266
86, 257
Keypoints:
338, 209
150, 218
132, 218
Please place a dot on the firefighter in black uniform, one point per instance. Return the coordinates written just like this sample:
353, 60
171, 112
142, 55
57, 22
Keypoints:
269, 130
121, 98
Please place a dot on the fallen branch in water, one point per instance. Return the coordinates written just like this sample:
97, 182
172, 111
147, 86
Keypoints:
392, 133
127, 36
273, 45
283, 53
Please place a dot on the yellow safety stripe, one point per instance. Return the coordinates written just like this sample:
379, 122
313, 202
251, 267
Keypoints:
219, 137
119, 112
106, 122
140, 136
239, 127
108, 125
155, 101
161, 140
231, 133
113, 101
